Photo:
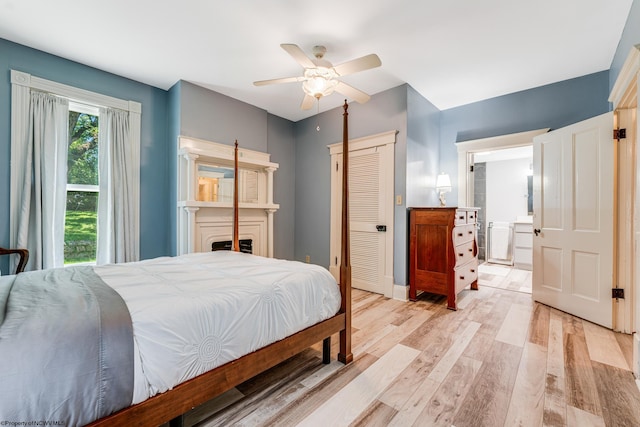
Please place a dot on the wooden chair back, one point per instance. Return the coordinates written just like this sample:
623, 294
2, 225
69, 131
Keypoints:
24, 257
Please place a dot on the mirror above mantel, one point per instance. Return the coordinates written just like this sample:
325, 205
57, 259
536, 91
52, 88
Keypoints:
205, 194
215, 184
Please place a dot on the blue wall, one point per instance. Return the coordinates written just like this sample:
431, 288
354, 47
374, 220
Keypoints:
153, 156
281, 144
174, 117
423, 149
551, 106
215, 117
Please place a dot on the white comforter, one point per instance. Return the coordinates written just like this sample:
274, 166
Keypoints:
195, 312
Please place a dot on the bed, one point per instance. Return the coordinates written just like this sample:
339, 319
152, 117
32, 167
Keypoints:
147, 361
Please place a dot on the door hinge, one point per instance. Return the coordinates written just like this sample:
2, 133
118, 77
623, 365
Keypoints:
336, 261
617, 293
471, 168
336, 166
619, 134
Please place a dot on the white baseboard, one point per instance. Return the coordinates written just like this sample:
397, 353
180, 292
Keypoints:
388, 286
401, 292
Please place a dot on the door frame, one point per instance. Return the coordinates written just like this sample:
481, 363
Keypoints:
386, 142
624, 98
467, 149
624, 246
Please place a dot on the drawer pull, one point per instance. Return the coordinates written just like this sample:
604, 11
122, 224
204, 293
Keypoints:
470, 232
460, 254
461, 217
459, 234
473, 270
461, 277
470, 250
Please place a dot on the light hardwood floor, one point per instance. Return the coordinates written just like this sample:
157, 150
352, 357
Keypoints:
500, 360
504, 277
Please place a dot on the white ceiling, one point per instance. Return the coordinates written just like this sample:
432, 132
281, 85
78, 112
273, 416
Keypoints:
452, 52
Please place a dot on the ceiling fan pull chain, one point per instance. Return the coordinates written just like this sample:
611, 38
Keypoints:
318, 115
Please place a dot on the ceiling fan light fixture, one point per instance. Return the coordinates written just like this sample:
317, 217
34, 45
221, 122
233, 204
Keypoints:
321, 78
319, 81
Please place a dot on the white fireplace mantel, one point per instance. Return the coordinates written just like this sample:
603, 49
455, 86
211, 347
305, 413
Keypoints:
205, 208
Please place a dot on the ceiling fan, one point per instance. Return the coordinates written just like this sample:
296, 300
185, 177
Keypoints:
320, 77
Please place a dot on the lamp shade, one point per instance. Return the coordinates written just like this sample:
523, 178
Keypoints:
443, 183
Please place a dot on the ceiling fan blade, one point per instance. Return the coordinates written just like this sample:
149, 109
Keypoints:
352, 92
307, 102
282, 80
360, 64
297, 54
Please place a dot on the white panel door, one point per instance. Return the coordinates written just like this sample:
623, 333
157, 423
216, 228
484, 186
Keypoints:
573, 219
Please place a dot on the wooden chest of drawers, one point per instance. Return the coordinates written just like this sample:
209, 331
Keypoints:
443, 253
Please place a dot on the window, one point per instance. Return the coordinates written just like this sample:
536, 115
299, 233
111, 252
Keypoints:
42, 193
81, 215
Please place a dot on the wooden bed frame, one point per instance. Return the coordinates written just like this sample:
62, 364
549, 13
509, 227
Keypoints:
173, 404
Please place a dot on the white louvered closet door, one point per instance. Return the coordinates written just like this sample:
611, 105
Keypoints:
366, 211
371, 204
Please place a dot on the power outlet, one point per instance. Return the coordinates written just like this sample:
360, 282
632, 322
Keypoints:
399, 199
307, 259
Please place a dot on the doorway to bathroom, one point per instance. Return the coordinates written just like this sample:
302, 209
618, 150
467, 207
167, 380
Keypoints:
495, 174
503, 190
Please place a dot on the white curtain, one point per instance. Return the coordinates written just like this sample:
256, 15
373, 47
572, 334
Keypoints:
39, 144
43, 166
117, 201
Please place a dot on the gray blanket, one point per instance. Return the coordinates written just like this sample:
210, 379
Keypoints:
66, 348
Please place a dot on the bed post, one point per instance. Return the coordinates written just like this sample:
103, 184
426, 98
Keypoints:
236, 241
344, 354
